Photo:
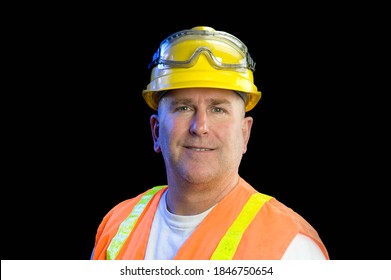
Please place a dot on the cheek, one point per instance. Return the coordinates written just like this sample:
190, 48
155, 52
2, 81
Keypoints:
169, 131
230, 133
170, 127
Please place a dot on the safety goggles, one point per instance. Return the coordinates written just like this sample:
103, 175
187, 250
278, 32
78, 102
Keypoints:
223, 50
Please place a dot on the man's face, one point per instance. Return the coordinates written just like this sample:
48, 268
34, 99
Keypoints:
201, 132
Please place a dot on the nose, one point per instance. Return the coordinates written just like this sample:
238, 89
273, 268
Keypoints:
199, 125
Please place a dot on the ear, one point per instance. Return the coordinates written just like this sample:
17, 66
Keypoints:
154, 123
246, 130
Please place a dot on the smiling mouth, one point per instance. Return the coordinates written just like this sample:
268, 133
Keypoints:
199, 149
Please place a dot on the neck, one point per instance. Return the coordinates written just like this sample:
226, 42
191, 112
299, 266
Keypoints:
190, 199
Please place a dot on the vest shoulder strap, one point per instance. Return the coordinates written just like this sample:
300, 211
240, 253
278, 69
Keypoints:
127, 225
230, 241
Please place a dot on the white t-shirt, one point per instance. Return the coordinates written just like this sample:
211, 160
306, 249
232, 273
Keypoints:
170, 231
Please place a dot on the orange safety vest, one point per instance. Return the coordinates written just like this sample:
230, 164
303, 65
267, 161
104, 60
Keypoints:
245, 225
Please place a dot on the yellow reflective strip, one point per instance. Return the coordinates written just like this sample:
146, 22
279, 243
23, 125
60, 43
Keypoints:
229, 243
127, 225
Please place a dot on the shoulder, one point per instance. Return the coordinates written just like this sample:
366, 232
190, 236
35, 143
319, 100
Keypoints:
128, 204
271, 206
121, 210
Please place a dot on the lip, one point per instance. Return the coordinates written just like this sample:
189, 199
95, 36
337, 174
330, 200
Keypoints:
199, 149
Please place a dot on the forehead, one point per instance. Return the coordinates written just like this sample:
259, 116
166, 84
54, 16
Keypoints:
203, 94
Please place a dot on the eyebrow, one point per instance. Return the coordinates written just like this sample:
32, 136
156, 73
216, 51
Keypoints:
211, 101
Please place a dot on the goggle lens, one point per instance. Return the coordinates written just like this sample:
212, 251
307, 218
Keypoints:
223, 50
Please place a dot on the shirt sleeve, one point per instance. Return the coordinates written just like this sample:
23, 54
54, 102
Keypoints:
303, 248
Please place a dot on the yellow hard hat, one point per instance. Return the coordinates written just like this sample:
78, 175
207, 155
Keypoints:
202, 57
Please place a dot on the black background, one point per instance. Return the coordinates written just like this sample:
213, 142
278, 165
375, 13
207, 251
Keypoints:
77, 129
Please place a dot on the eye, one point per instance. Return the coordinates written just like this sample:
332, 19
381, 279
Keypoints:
183, 108
218, 110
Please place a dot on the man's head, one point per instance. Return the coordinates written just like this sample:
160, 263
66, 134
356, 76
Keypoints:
202, 57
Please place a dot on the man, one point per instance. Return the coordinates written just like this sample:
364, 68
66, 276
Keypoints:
201, 87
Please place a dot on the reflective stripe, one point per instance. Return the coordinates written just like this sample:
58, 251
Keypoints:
127, 225
230, 241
